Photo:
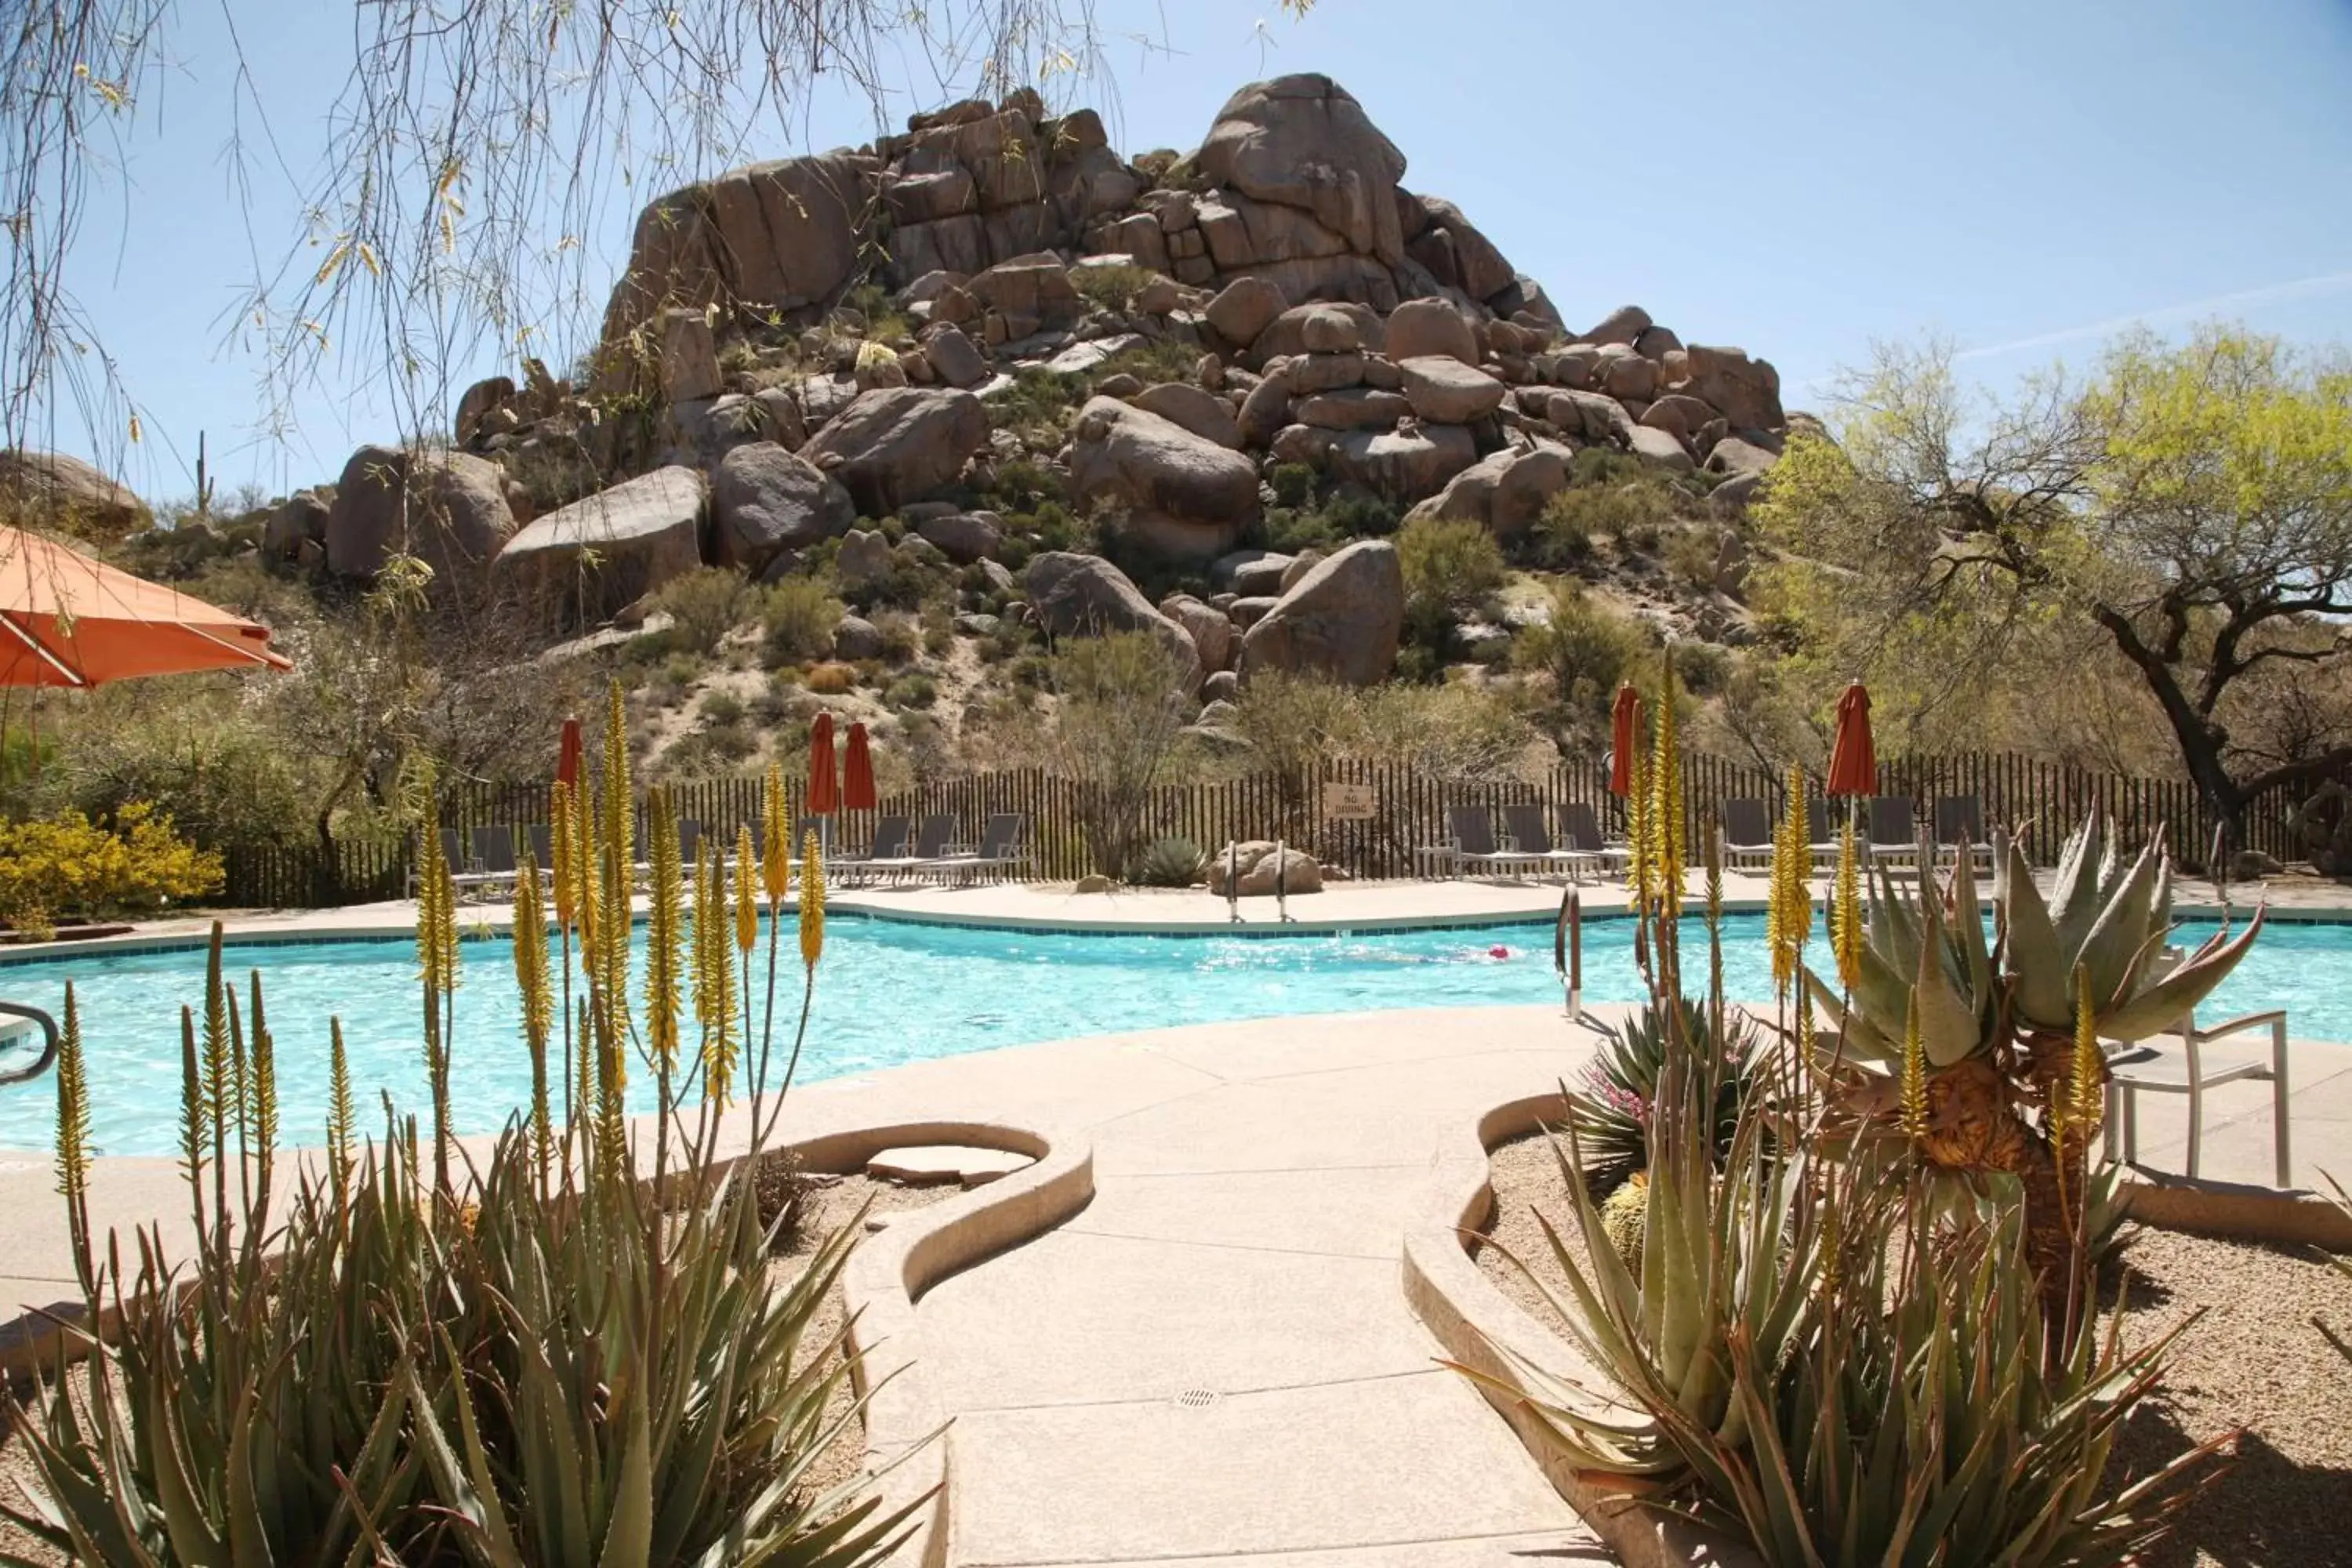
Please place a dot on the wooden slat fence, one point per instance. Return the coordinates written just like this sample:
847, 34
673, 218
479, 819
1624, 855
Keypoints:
2042, 800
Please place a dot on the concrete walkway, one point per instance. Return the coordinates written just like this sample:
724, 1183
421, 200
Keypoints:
1215, 1360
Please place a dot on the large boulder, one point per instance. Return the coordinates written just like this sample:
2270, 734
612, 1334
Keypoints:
588, 561
1204, 414
1457, 255
1590, 416
1184, 495
1405, 465
447, 508
1422, 328
50, 489
1257, 868
1286, 333
299, 520
1661, 449
1342, 619
778, 235
899, 444
1244, 308
1304, 142
765, 500
1211, 629
1747, 391
964, 537
1444, 391
1084, 596
1505, 491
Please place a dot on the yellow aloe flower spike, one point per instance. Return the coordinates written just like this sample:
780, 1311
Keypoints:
811, 901
1915, 1073
340, 1115
747, 907
1845, 915
665, 932
2087, 1088
537, 994
1788, 913
776, 831
560, 849
73, 1110
718, 1037
1637, 831
1666, 780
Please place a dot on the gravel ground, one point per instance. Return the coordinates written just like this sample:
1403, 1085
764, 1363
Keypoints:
2253, 1360
830, 1207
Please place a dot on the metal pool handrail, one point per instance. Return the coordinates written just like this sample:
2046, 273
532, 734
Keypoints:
49, 1043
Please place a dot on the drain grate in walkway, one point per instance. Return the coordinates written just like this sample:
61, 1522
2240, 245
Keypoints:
1197, 1398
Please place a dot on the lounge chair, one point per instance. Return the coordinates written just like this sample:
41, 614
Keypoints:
1894, 828
1528, 836
1747, 833
1472, 843
1959, 819
543, 846
690, 844
933, 842
999, 850
1580, 833
888, 844
1825, 844
493, 858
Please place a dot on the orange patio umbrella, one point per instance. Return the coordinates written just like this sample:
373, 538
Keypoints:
567, 755
68, 621
1853, 764
823, 790
1624, 736
858, 771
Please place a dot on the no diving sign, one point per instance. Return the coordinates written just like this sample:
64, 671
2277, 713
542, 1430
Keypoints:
1350, 802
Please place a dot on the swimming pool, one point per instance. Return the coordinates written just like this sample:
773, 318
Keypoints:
891, 993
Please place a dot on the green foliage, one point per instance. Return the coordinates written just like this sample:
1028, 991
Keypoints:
1121, 700
1452, 566
798, 616
1611, 1113
1293, 484
1172, 862
1585, 647
704, 606
66, 866
912, 690
1608, 495
1111, 287
546, 1358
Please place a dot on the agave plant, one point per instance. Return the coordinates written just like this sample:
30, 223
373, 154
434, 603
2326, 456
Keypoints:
547, 1359
1985, 1050
1612, 1108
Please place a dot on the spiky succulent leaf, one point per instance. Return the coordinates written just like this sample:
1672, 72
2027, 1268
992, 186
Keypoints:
2164, 1003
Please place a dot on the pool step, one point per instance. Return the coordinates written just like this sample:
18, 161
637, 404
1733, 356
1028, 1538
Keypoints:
937, 1164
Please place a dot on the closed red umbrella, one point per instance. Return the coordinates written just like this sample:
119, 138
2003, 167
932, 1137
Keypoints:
857, 772
823, 789
1854, 764
567, 757
1624, 736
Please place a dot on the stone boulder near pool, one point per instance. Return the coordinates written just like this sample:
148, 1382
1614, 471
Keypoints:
1254, 868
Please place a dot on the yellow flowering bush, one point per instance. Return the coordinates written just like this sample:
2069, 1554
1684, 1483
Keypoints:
67, 865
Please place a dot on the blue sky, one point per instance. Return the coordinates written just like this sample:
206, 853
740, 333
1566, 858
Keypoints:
1798, 180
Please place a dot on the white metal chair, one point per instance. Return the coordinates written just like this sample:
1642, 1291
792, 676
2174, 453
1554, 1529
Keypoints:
2174, 1064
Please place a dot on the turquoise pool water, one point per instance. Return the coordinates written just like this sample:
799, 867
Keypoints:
890, 993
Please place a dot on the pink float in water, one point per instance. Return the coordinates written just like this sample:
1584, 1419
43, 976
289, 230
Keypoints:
1499, 953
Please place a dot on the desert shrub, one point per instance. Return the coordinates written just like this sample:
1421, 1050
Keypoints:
1019, 485
1172, 862
1451, 566
704, 606
1170, 359
719, 706
912, 690
902, 635
67, 865
1454, 732
532, 1357
1287, 530
1585, 647
831, 678
1293, 484
1039, 404
1123, 697
1357, 515
1111, 287
797, 619
1691, 555
1052, 526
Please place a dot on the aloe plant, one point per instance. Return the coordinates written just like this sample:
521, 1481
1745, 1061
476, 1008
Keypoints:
1611, 1107
547, 1360
1984, 1049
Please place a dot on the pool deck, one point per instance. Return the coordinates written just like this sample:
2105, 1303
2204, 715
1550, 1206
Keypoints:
1214, 1358
1033, 906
